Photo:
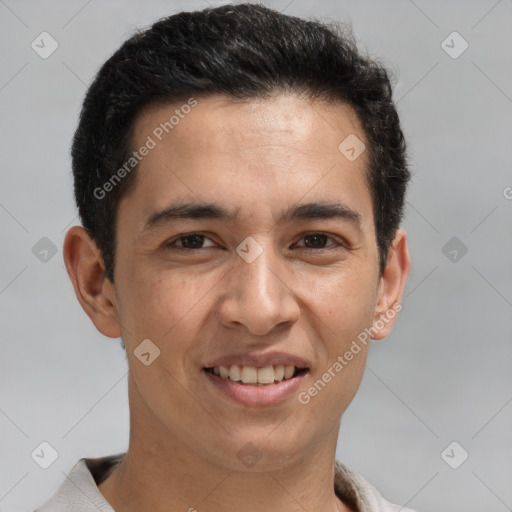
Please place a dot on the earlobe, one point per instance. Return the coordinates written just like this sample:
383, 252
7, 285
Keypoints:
391, 286
93, 290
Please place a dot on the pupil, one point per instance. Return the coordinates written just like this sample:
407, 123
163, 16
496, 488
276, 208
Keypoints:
186, 244
322, 237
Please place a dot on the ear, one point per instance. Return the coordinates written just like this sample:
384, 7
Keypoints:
391, 286
93, 290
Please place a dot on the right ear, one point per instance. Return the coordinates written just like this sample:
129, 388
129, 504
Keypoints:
93, 290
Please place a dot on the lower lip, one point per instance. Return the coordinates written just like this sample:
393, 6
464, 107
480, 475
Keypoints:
246, 394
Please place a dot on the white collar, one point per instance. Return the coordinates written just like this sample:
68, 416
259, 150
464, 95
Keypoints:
80, 489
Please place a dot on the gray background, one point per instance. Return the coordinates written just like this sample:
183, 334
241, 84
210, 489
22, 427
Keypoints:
443, 374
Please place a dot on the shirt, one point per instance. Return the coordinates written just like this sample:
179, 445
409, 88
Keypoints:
80, 493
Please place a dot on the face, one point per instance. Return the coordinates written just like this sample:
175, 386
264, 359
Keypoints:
280, 269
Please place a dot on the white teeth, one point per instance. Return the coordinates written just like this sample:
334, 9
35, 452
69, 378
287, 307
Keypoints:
235, 373
279, 372
249, 375
288, 371
266, 375
253, 375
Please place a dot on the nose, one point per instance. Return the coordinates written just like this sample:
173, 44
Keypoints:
259, 296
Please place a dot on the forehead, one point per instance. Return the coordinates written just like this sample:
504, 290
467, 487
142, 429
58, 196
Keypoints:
220, 122
248, 155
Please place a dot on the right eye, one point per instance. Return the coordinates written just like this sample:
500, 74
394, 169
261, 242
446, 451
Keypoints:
191, 241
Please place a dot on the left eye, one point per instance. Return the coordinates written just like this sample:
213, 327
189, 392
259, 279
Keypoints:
195, 240
318, 240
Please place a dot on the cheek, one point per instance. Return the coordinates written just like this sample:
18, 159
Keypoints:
161, 306
168, 311
344, 301
332, 390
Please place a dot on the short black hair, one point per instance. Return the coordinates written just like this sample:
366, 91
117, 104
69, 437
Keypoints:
244, 51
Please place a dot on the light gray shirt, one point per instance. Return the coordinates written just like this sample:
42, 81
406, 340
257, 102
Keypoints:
79, 492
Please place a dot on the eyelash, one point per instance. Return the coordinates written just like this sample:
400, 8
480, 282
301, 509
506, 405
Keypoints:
170, 244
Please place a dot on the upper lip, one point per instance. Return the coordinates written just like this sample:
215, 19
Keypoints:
258, 360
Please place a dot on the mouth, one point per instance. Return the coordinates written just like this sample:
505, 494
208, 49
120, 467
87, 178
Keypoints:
253, 386
256, 376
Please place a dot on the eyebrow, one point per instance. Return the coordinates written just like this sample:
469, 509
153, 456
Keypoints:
296, 213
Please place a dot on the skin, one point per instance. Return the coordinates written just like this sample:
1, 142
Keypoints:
260, 156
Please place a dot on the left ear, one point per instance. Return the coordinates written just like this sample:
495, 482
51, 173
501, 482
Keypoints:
391, 286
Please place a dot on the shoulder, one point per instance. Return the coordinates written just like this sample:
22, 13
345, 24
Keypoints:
355, 489
79, 491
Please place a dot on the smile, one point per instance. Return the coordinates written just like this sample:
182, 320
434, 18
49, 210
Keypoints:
251, 375
252, 386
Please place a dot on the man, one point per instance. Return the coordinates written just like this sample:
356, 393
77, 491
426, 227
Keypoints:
240, 176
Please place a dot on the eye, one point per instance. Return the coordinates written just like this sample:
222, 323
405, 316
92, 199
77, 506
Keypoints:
317, 241
194, 241
189, 241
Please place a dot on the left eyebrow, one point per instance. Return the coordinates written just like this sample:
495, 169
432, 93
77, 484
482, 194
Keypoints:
296, 213
321, 210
